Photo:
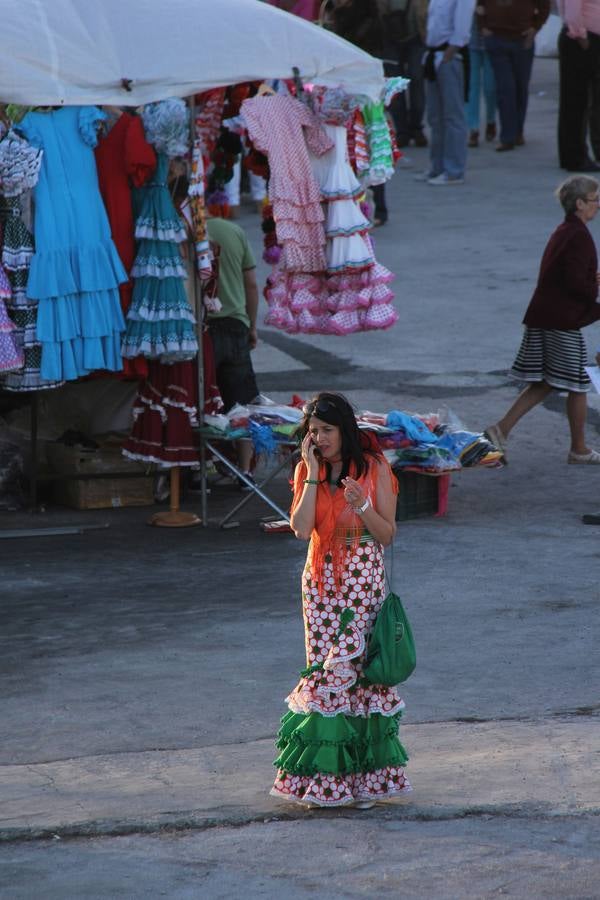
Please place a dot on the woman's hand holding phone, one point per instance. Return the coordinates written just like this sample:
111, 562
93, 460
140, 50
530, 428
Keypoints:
311, 456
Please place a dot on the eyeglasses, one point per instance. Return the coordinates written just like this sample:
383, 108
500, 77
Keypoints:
595, 199
321, 406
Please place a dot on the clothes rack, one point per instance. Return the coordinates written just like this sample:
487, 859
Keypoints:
175, 517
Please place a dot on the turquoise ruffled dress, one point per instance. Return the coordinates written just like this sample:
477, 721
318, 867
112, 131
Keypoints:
160, 321
75, 271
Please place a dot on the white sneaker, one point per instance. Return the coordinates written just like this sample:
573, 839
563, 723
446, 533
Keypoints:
584, 459
444, 179
423, 176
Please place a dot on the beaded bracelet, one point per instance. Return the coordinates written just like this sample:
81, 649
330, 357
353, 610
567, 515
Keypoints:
310, 481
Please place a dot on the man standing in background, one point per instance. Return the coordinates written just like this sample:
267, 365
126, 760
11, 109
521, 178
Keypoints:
509, 28
579, 68
233, 328
448, 33
403, 50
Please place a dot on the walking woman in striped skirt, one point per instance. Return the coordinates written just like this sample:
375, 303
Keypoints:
553, 355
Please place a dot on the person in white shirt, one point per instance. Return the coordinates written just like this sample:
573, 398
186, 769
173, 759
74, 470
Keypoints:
448, 33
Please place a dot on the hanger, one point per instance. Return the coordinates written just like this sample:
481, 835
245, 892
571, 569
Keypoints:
302, 95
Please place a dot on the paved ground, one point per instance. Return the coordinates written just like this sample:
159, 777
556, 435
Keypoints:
143, 671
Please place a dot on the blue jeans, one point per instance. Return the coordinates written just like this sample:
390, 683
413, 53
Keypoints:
481, 70
447, 120
512, 63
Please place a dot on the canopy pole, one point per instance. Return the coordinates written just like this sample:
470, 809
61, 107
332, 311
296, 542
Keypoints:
199, 314
33, 443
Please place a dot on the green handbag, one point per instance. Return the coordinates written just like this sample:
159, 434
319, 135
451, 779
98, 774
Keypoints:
391, 656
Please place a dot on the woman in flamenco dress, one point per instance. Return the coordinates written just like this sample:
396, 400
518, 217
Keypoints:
339, 741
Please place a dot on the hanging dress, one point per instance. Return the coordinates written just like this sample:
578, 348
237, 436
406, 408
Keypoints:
11, 355
20, 165
75, 270
124, 158
164, 415
160, 321
353, 295
339, 741
284, 129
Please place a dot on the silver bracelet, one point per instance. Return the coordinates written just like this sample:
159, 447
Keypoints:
359, 510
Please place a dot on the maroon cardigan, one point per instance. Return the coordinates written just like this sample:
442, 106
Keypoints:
566, 292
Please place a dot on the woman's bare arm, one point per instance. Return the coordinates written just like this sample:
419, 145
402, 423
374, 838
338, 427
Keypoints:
380, 517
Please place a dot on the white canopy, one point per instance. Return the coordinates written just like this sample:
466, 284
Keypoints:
79, 51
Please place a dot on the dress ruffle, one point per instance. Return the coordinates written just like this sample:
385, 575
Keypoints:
19, 165
344, 218
170, 340
167, 230
332, 170
330, 693
81, 356
333, 790
341, 303
343, 745
350, 252
164, 414
156, 301
80, 333
77, 269
11, 356
158, 259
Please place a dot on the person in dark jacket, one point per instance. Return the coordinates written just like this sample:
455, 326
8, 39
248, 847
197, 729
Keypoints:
360, 22
509, 28
553, 355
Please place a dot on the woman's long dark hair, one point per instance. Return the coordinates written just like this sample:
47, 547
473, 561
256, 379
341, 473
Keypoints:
357, 446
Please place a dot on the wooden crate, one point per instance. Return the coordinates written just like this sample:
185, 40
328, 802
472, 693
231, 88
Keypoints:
104, 493
106, 459
98, 478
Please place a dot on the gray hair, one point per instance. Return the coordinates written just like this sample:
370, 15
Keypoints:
576, 188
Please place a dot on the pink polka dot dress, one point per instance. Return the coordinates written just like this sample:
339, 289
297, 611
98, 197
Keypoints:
339, 741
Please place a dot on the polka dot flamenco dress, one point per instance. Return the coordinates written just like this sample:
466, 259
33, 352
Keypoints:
339, 741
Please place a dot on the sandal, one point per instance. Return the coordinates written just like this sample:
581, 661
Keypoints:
495, 436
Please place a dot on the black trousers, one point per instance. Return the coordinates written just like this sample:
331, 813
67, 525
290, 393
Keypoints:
407, 108
579, 71
235, 375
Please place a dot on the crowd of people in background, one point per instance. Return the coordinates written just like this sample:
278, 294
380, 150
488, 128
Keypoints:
457, 51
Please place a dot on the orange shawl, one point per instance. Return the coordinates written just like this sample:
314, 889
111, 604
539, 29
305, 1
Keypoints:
338, 529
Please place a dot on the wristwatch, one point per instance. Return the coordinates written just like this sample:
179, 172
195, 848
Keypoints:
359, 510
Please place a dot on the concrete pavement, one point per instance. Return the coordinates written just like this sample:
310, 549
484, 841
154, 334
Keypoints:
505, 768
143, 671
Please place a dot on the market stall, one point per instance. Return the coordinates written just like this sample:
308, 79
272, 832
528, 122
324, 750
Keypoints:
105, 285
61, 62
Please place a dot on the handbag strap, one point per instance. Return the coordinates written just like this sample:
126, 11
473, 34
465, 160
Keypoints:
389, 576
